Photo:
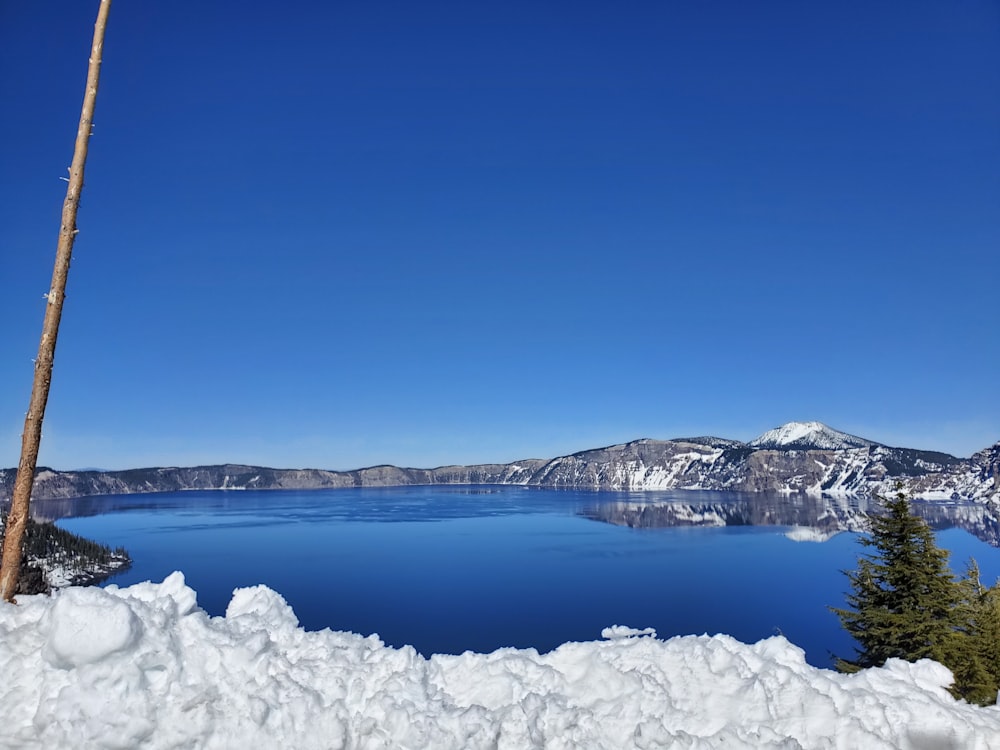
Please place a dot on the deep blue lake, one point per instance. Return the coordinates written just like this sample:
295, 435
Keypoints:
451, 568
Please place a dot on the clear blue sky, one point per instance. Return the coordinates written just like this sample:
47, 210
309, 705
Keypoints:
335, 234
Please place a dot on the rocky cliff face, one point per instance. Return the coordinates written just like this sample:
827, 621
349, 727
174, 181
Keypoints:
55, 485
801, 457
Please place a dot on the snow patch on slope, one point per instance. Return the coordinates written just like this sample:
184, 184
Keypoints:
637, 475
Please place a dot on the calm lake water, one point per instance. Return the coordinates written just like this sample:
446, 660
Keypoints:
450, 568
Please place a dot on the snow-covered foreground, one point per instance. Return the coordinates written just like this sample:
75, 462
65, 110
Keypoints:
143, 666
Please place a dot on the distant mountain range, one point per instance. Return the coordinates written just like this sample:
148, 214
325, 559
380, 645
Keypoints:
798, 457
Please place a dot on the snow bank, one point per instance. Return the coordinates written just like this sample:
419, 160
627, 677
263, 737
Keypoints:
144, 666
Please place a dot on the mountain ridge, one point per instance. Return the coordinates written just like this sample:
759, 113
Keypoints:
793, 458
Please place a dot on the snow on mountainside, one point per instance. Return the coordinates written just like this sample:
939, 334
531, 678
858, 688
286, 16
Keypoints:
804, 435
799, 457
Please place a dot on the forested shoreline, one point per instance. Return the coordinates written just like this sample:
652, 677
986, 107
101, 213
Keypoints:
54, 557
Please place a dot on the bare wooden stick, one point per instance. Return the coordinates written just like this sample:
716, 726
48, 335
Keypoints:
17, 520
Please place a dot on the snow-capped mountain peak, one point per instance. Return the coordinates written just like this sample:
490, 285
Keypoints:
803, 435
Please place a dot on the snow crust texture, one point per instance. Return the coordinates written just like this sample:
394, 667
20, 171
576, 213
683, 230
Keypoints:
144, 667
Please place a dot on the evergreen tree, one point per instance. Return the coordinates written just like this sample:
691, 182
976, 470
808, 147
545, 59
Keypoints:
988, 634
973, 681
904, 601
977, 673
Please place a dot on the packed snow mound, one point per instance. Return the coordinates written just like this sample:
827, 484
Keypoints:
144, 667
804, 435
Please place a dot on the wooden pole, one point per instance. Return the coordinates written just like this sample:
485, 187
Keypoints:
17, 520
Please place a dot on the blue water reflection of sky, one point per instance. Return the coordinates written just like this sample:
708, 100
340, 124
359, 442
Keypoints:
450, 569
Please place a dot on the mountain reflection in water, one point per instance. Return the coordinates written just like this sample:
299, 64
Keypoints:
812, 518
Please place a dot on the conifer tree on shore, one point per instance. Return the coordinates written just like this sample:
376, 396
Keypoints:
977, 673
905, 603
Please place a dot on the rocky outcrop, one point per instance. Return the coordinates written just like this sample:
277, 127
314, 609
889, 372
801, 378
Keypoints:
801, 457
988, 461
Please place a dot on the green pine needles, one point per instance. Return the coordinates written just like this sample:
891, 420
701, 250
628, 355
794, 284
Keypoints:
905, 603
